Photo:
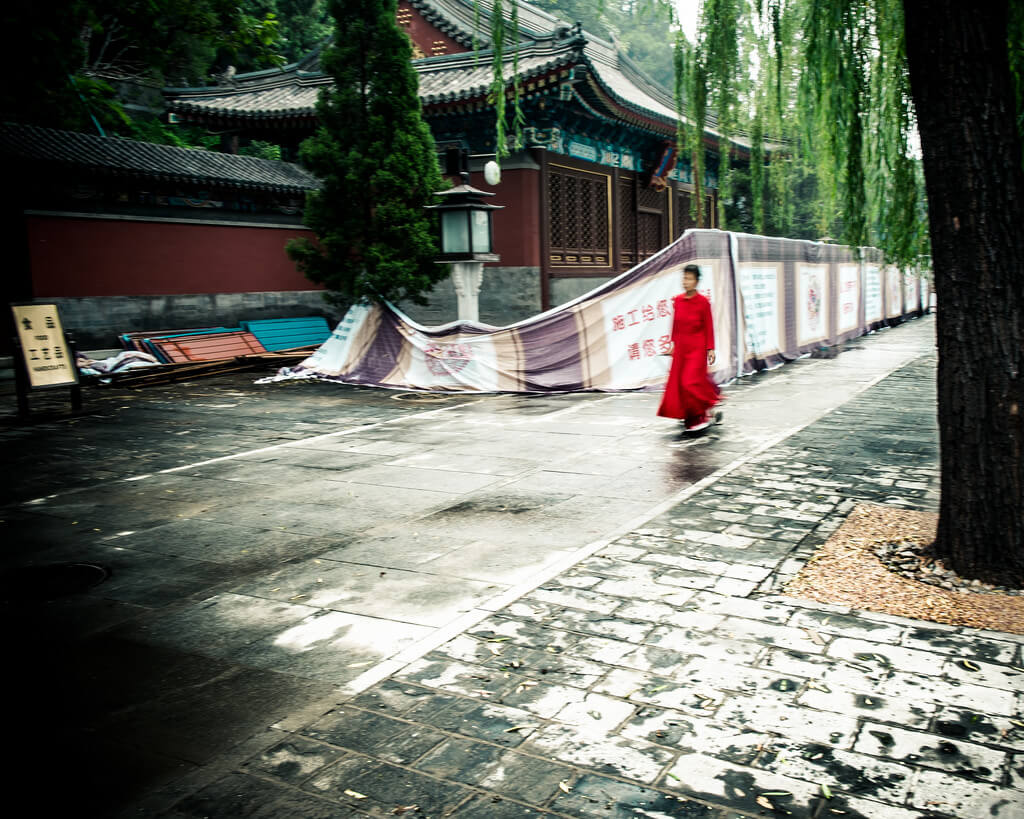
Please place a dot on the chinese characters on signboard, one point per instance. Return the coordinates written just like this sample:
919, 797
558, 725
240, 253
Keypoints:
760, 289
872, 294
45, 351
646, 327
849, 297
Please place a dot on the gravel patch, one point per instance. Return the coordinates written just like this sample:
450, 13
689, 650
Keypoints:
878, 560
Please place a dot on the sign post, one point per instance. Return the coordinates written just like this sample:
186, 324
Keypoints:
46, 359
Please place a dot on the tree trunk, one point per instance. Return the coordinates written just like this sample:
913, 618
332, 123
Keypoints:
961, 83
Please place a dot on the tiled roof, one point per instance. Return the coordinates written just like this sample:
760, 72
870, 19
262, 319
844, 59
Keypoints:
546, 43
128, 157
465, 76
287, 96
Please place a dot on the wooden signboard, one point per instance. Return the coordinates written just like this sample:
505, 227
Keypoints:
43, 356
44, 350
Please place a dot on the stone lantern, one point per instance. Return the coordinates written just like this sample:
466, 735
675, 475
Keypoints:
466, 241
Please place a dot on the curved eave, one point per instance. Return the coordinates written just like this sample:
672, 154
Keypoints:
650, 120
234, 113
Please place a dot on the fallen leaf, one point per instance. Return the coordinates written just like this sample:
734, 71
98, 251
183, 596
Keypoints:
564, 787
400, 810
814, 637
354, 794
765, 803
969, 665
515, 728
826, 791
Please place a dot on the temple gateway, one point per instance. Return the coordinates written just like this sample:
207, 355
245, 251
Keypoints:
595, 188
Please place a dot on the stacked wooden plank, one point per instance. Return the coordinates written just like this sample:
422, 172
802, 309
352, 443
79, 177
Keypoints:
208, 346
217, 343
203, 351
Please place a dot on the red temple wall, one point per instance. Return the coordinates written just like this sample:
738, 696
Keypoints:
517, 227
74, 257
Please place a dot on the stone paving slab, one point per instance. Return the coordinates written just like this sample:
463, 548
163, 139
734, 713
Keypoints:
667, 676
661, 674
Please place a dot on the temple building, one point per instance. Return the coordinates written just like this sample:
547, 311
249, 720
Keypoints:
125, 235
595, 187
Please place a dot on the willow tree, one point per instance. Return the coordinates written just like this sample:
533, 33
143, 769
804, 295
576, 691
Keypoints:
872, 74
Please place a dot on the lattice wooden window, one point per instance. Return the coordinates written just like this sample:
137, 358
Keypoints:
650, 198
685, 220
579, 217
649, 233
627, 223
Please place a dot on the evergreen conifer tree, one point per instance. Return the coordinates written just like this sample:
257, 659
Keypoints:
376, 159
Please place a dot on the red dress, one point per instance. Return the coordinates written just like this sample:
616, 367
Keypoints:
690, 392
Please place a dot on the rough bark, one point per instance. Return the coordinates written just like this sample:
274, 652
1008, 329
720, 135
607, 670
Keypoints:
961, 84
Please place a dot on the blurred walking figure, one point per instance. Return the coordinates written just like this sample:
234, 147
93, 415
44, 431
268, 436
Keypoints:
690, 394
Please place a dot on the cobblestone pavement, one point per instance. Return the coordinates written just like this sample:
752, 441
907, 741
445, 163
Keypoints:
665, 675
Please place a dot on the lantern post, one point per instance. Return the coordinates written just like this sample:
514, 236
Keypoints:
467, 240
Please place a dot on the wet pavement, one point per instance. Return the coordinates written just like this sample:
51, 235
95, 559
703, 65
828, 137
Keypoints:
332, 601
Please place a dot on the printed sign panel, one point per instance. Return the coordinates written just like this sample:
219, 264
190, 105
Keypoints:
849, 298
47, 357
911, 296
893, 293
812, 303
638, 329
872, 294
452, 363
761, 309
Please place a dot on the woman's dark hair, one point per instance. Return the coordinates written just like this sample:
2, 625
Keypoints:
694, 269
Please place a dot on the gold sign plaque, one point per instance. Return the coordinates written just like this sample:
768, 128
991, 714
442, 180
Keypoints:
44, 349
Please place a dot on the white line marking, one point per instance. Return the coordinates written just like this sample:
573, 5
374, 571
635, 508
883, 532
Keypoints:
338, 434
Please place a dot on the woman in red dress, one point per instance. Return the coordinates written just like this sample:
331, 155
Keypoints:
690, 393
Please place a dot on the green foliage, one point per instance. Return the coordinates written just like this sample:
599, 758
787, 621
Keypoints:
151, 129
261, 150
376, 159
101, 43
302, 25
640, 28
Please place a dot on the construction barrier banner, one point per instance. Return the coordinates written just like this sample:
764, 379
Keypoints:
772, 300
